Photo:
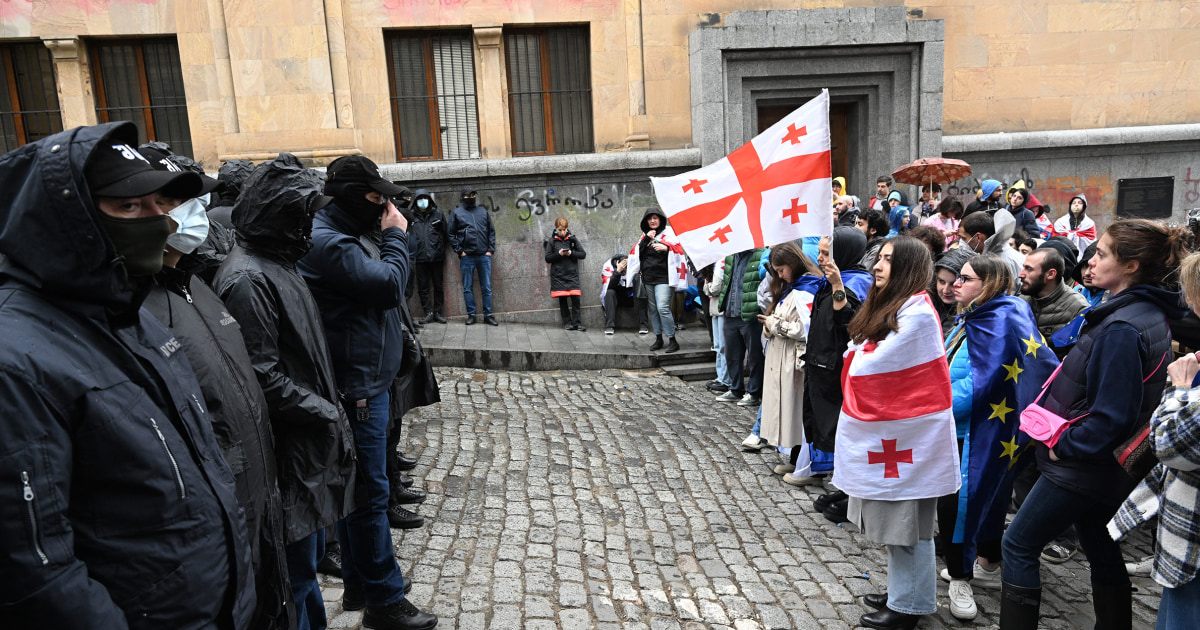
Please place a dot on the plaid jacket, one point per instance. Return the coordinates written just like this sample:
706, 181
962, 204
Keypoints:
1171, 491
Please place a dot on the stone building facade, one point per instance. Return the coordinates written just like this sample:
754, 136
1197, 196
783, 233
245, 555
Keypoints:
567, 106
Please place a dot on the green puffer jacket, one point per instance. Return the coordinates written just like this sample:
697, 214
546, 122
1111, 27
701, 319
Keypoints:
750, 280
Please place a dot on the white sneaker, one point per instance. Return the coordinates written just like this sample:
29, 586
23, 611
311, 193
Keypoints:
729, 396
783, 469
981, 577
962, 600
753, 442
792, 480
1140, 568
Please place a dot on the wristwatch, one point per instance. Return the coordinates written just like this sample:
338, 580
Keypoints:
839, 295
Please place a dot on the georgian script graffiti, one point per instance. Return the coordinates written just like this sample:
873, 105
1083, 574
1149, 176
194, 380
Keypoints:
590, 199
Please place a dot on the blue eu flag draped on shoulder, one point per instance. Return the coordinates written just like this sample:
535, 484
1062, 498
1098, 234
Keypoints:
1010, 361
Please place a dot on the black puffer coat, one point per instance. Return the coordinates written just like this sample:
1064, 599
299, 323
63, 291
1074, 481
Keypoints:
285, 338
426, 230
564, 270
117, 509
212, 340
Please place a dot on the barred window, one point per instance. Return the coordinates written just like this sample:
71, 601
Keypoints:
431, 76
28, 95
550, 89
142, 81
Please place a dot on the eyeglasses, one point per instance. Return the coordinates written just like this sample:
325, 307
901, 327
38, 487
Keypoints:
961, 279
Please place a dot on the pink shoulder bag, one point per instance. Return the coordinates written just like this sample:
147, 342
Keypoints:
1045, 426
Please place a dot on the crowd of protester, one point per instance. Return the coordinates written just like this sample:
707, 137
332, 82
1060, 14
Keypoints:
204, 384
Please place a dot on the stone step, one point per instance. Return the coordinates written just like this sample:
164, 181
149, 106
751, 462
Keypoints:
685, 357
692, 371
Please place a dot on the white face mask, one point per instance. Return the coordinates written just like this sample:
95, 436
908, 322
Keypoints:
192, 218
422, 203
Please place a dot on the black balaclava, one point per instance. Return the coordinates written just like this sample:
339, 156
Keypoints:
351, 197
468, 202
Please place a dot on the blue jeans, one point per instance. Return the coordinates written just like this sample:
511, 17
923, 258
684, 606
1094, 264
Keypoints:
1180, 607
302, 558
718, 323
660, 309
368, 559
757, 422
1046, 512
469, 265
912, 578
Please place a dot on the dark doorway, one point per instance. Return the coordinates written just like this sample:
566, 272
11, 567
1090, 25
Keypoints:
839, 130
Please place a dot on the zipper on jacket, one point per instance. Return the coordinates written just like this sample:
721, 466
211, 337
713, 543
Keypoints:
37, 543
174, 464
186, 294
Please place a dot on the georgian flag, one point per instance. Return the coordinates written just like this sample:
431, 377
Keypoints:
895, 437
773, 189
677, 269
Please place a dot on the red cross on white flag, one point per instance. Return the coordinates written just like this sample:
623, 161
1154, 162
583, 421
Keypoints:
774, 188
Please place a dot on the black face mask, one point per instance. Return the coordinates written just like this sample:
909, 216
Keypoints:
139, 241
365, 213
468, 202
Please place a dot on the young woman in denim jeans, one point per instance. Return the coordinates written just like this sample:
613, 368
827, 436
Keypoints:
1113, 377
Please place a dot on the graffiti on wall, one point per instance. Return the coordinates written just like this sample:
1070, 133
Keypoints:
1055, 192
528, 203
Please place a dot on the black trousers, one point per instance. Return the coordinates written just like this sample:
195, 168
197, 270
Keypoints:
743, 339
428, 276
569, 317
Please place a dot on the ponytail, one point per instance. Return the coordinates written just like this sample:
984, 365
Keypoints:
1158, 249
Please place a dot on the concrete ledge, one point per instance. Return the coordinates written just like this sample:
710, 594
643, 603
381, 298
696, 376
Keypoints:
1070, 138
539, 165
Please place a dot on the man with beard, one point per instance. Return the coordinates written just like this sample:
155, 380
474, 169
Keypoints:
259, 283
1054, 303
359, 296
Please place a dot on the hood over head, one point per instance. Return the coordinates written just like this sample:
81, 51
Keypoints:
1066, 249
1020, 185
1005, 226
274, 214
842, 182
423, 193
231, 175
1088, 254
954, 259
662, 219
51, 237
848, 246
988, 187
1080, 197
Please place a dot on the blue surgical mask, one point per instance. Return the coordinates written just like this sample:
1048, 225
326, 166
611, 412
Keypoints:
192, 217
422, 203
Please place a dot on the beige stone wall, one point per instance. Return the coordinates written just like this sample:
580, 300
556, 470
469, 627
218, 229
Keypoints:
310, 76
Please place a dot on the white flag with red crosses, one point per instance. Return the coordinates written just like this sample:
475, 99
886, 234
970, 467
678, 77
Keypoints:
773, 189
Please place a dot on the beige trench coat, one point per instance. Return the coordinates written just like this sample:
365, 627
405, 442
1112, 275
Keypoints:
783, 384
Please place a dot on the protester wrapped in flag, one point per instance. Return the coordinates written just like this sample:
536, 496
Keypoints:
998, 361
772, 189
1076, 225
895, 450
677, 268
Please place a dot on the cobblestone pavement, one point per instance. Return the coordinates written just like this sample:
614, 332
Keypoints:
620, 500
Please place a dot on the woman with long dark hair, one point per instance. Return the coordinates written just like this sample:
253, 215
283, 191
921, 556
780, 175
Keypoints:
795, 281
896, 452
1076, 226
988, 358
1110, 384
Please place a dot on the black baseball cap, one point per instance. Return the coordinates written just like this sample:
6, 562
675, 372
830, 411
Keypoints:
358, 169
118, 170
163, 161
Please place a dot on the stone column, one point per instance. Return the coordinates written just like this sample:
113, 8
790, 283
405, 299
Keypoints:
490, 93
639, 136
74, 81
339, 66
223, 66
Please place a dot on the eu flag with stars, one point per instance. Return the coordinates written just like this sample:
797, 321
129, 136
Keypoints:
1010, 360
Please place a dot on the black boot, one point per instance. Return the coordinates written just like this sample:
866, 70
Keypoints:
658, 343
405, 463
825, 500
1020, 607
878, 601
887, 619
576, 320
836, 512
404, 496
1114, 606
399, 616
672, 345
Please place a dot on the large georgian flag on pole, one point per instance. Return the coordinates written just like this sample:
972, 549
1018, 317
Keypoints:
895, 437
774, 188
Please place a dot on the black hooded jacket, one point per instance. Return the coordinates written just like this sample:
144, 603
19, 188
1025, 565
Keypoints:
471, 231
285, 338
232, 176
830, 337
426, 230
212, 340
653, 262
564, 270
118, 510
